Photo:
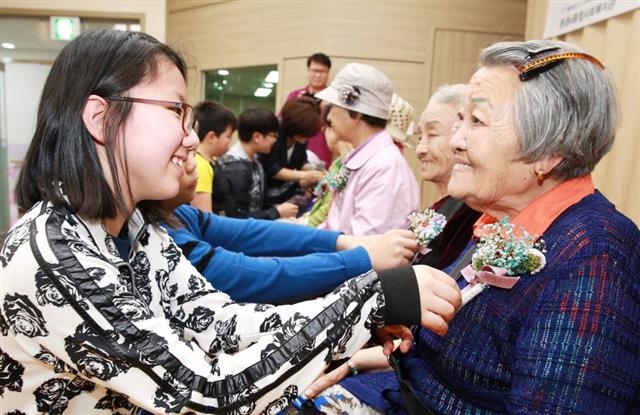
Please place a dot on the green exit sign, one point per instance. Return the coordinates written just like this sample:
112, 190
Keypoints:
64, 27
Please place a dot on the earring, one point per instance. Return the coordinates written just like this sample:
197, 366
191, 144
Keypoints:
540, 176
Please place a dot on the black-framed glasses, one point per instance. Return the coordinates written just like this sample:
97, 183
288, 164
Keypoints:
184, 110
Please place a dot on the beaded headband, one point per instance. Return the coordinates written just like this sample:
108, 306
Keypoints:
534, 67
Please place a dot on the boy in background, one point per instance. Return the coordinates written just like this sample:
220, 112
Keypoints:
216, 124
239, 189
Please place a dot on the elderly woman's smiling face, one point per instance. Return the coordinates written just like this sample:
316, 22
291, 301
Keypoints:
433, 151
487, 173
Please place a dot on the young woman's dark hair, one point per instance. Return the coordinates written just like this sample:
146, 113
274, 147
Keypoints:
213, 116
256, 119
300, 116
62, 161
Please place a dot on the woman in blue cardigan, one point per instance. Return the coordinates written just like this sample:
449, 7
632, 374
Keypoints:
564, 339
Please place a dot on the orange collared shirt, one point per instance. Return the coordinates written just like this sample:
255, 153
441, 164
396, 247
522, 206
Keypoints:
539, 214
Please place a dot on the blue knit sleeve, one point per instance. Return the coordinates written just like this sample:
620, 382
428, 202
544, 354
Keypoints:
208, 241
279, 280
262, 237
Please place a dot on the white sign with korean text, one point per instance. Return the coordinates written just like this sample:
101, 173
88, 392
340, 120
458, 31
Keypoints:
568, 15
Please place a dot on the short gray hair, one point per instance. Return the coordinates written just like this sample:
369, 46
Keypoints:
450, 94
568, 111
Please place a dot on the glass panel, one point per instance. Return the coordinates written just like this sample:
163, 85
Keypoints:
240, 88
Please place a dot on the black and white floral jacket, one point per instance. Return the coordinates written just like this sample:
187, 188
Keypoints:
83, 332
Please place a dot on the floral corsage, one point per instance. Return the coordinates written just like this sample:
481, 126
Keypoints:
427, 226
335, 179
501, 257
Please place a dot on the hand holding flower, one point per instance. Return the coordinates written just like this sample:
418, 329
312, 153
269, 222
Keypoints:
427, 226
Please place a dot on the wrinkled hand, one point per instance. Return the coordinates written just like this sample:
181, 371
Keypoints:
324, 381
392, 249
287, 209
440, 298
394, 336
364, 360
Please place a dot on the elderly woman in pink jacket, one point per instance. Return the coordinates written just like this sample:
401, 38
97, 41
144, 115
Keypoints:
377, 189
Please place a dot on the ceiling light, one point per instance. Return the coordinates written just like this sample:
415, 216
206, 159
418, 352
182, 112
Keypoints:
64, 27
272, 77
267, 85
262, 92
8, 45
223, 72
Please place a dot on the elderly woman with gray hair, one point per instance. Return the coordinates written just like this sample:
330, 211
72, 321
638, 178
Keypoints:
437, 124
563, 338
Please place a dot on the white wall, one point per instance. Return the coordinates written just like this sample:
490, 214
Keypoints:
23, 84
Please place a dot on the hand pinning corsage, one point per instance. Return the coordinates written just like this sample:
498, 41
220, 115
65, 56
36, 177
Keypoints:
501, 257
427, 226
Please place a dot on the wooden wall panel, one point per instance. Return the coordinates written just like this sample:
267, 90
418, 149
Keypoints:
293, 75
242, 33
616, 43
174, 6
456, 52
